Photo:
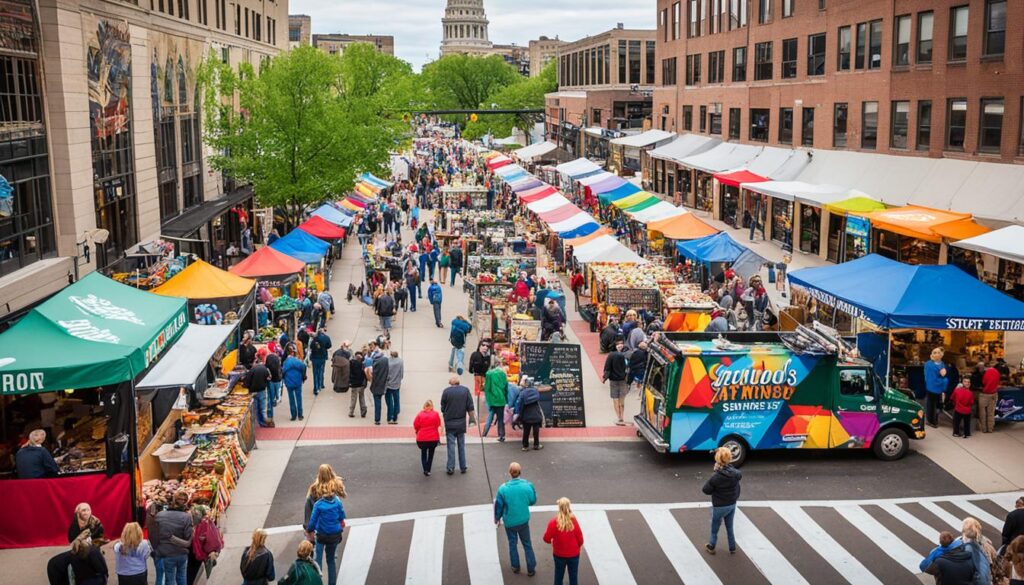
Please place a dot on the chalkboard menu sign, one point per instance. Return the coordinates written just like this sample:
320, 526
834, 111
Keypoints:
558, 365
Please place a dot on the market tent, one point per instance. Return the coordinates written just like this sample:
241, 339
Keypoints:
596, 178
560, 213
526, 184
607, 184
537, 192
717, 248
631, 200
685, 226
661, 210
588, 174
333, 215
534, 150
583, 239
645, 204
684, 146
806, 193
734, 178
904, 296
506, 170
351, 205
538, 196
570, 223
573, 164
498, 162
201, 280
321, 228
299, 244
267, 262
1006, 243
605, 249
725, 156
926, 224
548, 203
584, 230
375, 181
643, 139
518, 176
625, 190
860, 204
188, 358
95, 332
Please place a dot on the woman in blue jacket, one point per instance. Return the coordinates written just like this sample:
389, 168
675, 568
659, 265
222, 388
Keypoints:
326, 522
293, 372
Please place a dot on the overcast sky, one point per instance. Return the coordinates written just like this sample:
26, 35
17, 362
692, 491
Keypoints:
416, 24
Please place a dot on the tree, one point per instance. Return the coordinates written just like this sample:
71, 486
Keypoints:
525, 95
466, 81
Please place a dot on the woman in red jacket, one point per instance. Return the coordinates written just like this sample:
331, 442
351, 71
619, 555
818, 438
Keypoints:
427, 425
963, 400
566, 539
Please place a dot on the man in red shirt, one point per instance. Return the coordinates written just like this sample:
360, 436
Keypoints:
987, 400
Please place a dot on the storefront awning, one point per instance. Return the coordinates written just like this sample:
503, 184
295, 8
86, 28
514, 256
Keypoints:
267, 262
189, 222
717, 248
95, 332
805, 193
299, 244
333, 215
1006, 243
188, 358
685, 226
661, 210
684, 146
644, 139
904, 296
201, 280
734, 178
560, 213
859, 204
548, 203
596, 178
534, 151
723, 157
924, 223
321, 228
624, 190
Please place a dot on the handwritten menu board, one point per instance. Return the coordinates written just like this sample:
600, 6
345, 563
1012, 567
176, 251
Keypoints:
558, 365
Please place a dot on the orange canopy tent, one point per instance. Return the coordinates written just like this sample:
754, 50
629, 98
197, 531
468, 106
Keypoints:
925, 223
200, 280
682, 227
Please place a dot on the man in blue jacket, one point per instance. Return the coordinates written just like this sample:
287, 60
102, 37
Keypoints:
457, 337
434, 296
936, 384
512, 505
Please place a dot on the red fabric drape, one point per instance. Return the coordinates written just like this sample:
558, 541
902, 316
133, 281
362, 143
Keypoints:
37, 512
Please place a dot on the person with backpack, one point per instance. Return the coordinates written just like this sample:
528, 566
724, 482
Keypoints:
173, 538
457, 337
455, 259
341, 375
357, 385
303, 571
529, 414
319, 345
616, 373
257, 562
273, 363
327, 522
384, 306
207, 542
434, 296
379, 370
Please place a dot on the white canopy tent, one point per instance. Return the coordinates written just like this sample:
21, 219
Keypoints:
188, 358
1006, 243
806, 193
659, 210
726, 156
643, 139
507, 170
578, 220
684, 146
534, 150
578, 166
781, 164
548, 203
592, 179
605, 249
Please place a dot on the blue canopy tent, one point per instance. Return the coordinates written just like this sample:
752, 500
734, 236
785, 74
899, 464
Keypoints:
369, 178
583, 230
333, 215
516, 176
893, 295
619, 192
298, 244
717, 248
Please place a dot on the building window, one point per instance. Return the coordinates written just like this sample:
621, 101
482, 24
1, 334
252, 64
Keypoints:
739, 64
760, 123
293, 34
715, 119
622, 62
843, 63
924, 124
688, 118
703, 118
668, 71
839, 119
634, 61
816, 55
692, 69
763, 61
734, 123
869, 126
958, 33
995, 27
900, 123
874, 44
716, 16
925, 20
787, 8
807, 127
596, 116
663, 23
991, 139
956, 123
192, 190
786, 125
862, 45
764, 11
693, 16
675, 21
716, 67
649, 65
901, 52
737, 14
789, 58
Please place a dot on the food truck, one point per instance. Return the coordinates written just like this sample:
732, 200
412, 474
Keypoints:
804, 389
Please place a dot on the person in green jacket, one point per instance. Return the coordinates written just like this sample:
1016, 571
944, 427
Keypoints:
496, 394
512, 506
303, 571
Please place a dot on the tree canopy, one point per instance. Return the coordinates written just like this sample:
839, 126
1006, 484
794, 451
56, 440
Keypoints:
466, 81
524, 95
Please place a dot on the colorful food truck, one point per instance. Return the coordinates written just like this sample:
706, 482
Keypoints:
794, 390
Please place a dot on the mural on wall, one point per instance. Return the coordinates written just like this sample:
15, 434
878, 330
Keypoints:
109, 71
173, 73
17, 26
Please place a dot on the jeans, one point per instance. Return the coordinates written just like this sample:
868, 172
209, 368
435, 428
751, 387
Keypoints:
385, 322
457, 358
423, 264
158, 566
527, 429
986, 412
260, 398
391, 401
318, 374
358, 393
412, 296
932, 400
521, 532
437, 313
719, 513
427, 454
273, 392
456, 438
962, 424
376, 406
561, 564
497, 413
175, 569
332, 560
295, 400
432, 266
454, 272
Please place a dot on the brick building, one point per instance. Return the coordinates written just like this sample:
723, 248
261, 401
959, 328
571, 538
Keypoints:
300, 30
542, 51
334, 44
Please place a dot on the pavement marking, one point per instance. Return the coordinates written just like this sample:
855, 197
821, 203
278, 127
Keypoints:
881, 536
768, 560
358, 554
813, 534
1006, 501
426, 552
980, 514
911, 521
603, 550
680, 551
481, 547
942, 514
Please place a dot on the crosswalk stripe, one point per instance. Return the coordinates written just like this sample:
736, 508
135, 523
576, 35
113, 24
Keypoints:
1005, 501
772, 564
426, 553
844, 563
880, 535
980, 514
685, 558
602, 549
942, 514
481, 547
912, 521
358, 554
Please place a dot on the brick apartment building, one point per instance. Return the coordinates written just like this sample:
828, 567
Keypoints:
335, 44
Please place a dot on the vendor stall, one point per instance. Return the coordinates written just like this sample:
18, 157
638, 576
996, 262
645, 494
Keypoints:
1000, 261
312, 251
214, 296
463, 196
914, 234
849, 232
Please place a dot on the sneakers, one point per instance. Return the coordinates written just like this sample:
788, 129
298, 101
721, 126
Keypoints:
351, 415
538, 447
709, 548
450, 472
957, 435
459, 371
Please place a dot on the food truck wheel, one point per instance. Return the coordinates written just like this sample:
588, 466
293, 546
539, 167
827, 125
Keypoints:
737, 447
891, 444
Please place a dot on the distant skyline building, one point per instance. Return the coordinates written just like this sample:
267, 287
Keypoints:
300, 29
335, 44
464, 28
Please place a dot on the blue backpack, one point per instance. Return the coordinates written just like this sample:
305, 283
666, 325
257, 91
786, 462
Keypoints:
458, 337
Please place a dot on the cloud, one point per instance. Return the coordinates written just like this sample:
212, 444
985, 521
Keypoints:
416, 24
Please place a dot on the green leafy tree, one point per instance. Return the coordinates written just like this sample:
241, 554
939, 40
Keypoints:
466, 81
525, 95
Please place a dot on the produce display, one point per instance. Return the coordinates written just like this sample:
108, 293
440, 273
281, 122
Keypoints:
631, 275
686, 296
285, 303
268, 333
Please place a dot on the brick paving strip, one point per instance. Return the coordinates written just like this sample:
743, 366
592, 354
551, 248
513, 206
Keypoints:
393, 432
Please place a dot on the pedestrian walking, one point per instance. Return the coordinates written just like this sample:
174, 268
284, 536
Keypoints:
273, 363
384, 306
512, 506
983, 554
257, 562
456, 408
207, 542
378, 376
566, 540
616, 372
637, 362
963, 401
457, 337
496, 395
427, 425
341, 368
479, 363
576, 283
946, 542
1013, 526
131, 555
445, 262
357, 385
256, 380
455, 259
528, 413
936, 384
303, 571
173, 538
987, 399
412, 283
724, 489
396, 372
1014, 557
326, 523
434, 295
293, 375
